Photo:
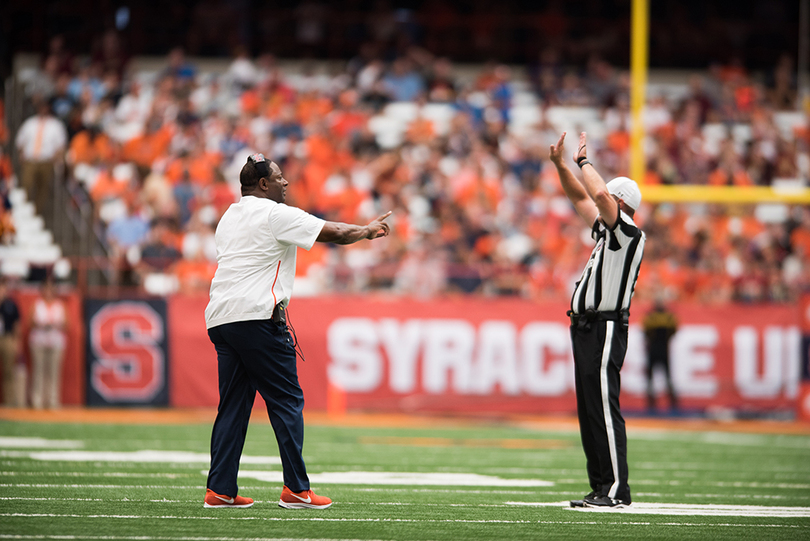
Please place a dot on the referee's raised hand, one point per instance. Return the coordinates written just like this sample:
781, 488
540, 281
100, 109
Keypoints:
556, 151
582, 151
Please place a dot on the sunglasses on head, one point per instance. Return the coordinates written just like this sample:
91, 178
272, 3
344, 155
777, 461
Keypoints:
261, 163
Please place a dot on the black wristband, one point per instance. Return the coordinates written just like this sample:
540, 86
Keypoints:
583, 162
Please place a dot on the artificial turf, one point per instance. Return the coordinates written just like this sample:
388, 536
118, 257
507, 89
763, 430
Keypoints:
47, 495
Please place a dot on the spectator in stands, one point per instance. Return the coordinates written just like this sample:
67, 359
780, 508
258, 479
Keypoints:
403, 82
47, 340
500, 91
441, 84
423, 271
59, 56
160, 252
125, 235
131, 113
87, 84
109, 54
6, 220
480, 176
42, 84
242, 74
10, 347
41, 142
179, 72
62, 103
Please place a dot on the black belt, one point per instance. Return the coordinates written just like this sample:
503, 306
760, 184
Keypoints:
279, 315
591, 315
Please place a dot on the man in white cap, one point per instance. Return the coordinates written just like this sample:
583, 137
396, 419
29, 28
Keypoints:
600, 312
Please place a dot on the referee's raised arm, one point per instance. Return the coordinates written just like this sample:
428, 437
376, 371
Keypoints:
572, 187
595, 185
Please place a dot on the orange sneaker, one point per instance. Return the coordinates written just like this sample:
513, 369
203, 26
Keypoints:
302, 500
212, 499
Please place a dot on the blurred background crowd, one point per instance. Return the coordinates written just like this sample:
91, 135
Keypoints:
397, 121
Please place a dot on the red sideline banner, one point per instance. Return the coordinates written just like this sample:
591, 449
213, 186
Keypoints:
497, 355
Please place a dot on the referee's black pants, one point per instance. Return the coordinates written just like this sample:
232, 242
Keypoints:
599, 349
256, 356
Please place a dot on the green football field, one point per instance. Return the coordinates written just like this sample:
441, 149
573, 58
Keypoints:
442, 480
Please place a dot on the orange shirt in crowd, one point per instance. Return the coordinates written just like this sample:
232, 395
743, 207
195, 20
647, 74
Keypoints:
87, 149
482, 191
273, 103
320, 149
250, 101
200, 168
651, 178
108, 187
618, 141
800, 238
306, 258
720, 177
420, 131
5, 167
147, 148
344, 123
310, 108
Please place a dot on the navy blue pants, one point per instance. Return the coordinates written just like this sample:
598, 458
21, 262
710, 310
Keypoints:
256, 356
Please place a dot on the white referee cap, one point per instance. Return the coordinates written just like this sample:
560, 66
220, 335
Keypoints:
626, 190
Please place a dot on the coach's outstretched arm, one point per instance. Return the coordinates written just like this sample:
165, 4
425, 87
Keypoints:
573, 189
342, 233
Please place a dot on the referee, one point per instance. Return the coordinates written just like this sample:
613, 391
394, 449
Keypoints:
600, 311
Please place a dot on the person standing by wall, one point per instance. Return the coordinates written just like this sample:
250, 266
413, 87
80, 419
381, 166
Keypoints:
600, 314
9, 346
660, 325
41, 142
246, 318
47, 343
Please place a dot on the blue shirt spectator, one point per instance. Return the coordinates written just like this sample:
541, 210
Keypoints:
127, 231
403, 83
185, 194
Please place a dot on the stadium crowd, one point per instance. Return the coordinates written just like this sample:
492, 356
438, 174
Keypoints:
477, 205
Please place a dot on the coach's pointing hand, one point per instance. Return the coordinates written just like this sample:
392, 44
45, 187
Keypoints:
379, 228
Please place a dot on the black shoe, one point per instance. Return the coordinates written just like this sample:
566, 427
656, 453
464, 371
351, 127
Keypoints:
604, 501
581, 503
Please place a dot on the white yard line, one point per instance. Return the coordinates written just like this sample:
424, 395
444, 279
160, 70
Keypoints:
400, 478
94, 474
117, 487
13, 442
142, 456
378, 520
166, 538
713, 510
699, 483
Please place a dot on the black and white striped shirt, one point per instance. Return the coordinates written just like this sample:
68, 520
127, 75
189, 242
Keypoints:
609, 278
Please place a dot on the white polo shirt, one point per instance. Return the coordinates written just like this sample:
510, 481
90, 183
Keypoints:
256, 244
41, 138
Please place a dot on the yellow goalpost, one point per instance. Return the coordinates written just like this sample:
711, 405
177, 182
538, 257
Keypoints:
639, 60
